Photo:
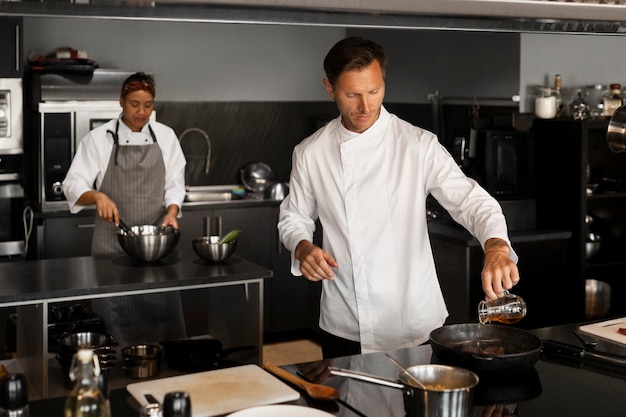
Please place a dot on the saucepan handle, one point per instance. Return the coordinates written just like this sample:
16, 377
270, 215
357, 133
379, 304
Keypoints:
361, 376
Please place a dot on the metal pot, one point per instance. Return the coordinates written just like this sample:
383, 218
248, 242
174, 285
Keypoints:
448, 392
485, 347
257, 176
142, 361
277, 191
616, 131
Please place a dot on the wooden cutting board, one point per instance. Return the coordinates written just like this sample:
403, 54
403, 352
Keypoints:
607, 330
222, 391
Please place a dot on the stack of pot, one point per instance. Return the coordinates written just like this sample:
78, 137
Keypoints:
102, 345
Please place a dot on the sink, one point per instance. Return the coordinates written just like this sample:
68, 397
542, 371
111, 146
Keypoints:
213, 193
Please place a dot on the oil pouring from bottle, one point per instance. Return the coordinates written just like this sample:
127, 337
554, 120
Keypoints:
507, 309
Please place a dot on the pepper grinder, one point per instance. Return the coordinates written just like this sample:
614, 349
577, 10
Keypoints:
177, 404
14, 396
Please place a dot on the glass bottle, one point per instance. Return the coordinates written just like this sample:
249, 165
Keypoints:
14, 396
86, 399
557, 95
580, 109
612, 99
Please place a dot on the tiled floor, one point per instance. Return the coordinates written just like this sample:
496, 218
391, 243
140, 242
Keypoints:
290, 352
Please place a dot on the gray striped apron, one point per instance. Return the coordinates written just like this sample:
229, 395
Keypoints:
135, 181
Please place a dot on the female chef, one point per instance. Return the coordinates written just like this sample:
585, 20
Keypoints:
138, 168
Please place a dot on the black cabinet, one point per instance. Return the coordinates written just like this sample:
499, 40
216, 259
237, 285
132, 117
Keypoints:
542, 265
290, 303
11, 47
582, 188
64, 237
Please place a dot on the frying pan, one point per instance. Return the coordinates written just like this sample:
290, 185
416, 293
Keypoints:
486, 347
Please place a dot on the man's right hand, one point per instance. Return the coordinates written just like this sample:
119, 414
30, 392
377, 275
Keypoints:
315, 263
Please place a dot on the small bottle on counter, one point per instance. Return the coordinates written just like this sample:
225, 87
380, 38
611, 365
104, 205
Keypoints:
177, 404
612, 99
102, 381
86, 399
14, 396
557, 94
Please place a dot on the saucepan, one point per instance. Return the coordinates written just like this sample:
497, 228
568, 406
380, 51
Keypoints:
486, 348
448, 389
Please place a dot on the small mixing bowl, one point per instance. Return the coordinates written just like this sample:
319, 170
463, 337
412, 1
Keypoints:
150, 242
208, 249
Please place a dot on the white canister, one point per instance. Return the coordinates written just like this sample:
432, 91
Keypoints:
545, 107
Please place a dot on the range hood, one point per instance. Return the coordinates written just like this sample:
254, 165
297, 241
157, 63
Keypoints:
558, 16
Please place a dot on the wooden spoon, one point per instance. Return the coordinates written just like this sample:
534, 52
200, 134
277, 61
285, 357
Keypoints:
316, 391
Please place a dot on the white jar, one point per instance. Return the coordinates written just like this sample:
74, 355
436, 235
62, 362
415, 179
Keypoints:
545, 107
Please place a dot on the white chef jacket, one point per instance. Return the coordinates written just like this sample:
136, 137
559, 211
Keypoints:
94, 151
369, 191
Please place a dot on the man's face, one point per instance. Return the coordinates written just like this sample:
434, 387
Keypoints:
137, 108
359, 96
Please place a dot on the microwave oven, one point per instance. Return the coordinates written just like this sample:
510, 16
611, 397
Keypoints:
62, 125
501, 161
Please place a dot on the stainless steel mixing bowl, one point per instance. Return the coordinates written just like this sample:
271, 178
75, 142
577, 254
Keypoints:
150, 242
208, 249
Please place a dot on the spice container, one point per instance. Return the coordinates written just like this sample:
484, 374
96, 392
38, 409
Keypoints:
612, 99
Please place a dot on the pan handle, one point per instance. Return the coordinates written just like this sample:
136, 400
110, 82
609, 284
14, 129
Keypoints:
361, 376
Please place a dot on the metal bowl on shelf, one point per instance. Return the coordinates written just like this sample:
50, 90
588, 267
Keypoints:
208, 248
592, 245
149, 243
597, 299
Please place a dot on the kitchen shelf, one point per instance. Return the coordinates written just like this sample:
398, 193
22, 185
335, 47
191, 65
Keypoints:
602, 196
572, 155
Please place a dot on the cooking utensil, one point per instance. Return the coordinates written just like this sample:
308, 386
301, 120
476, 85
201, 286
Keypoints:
150, 243
586, 344
315, 391
597, 298
126, 228
277, 191
151, 399
142, 361
582, 356
281, 410
616, 131
608, 330
449, 389
200, 353
256, 176
219, 392
485, 347
406, 372
209, 248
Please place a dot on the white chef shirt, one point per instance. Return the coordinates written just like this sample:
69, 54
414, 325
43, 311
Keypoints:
94, 151
369, 191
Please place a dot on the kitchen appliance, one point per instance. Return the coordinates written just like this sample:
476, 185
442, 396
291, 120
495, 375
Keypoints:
61, 110
11, 115
501, 161
12, 200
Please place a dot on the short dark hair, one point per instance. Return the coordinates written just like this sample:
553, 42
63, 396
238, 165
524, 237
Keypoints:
139, 81
353, 53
